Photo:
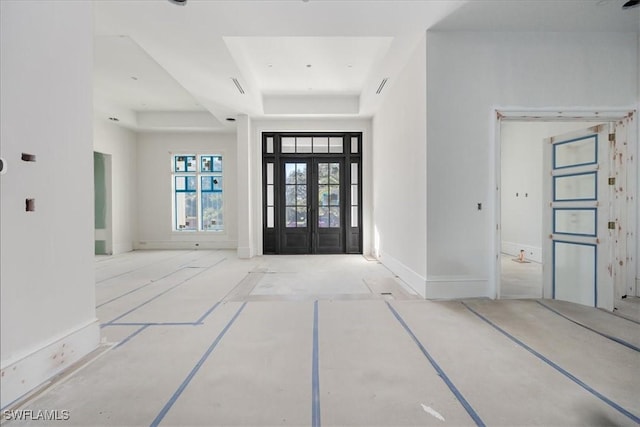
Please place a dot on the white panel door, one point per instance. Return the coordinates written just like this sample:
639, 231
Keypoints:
576, 220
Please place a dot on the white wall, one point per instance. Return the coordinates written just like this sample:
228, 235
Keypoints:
258, 126
521, 173
154, 189
469, 75
120, 143
47, 294
400, 176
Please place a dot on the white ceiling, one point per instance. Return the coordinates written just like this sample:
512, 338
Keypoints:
184, 57
302, 65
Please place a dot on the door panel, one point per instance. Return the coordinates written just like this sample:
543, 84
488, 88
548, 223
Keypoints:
577, 240
328, 213
296, 232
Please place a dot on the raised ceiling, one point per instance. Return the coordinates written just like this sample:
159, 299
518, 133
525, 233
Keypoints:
185, 57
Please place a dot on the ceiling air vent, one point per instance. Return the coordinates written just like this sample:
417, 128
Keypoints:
238, 86
381, 86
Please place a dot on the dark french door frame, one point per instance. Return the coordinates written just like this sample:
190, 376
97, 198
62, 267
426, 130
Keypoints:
274, 224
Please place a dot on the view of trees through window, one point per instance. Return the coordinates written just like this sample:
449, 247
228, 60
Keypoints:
197, 192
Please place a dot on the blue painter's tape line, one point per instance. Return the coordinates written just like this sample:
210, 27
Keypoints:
125, 294
623, 317
612, 338
151, 282
139, 268
126, 313
153, 324
126, 340
315, 372
572, 377
207, 313
467, 406
194, 371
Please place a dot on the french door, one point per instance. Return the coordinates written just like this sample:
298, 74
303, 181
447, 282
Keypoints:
312, 194
312, 212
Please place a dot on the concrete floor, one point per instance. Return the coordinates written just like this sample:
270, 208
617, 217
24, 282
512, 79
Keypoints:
520, 280
201, 338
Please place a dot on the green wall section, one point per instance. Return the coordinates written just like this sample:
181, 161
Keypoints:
100, 185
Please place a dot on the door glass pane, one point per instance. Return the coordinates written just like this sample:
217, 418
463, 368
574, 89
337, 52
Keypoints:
582, 151
290, 198
335, 145
334, 173
301, 173
270, 222
574, 272
354, 173
296, 195
354, 144
270, 145
323, 217
575, 221
302, 217
269, 195
301, 195
575, 187
323, 173
288, 145
354, 216
303, 145
334, 195
290, 214
269, 173
320, 145
323, 195
354, 195
290, 173
334, 217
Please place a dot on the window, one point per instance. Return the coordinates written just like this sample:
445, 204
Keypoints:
197, 192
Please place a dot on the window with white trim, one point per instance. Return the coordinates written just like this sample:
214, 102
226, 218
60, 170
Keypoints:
197, 192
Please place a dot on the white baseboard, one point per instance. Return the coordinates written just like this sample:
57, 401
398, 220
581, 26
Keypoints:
455, 287
414, 280
171, 244
121, 248
245, 252
21, 376
532, 253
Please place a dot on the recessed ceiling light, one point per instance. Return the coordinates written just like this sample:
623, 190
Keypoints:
114, 119
134, 78
230, 119
309, 65
630, 4
349, 66
178, 2
270, 65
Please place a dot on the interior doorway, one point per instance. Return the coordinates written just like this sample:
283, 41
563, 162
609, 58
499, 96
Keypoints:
522, 204
528, 220
102, 203
312, 193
